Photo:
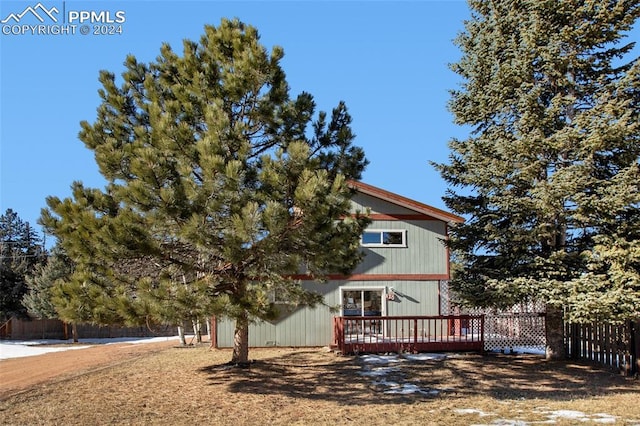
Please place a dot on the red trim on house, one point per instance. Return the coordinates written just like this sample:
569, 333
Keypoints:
405, 202
402, 217
447, 252
376, 277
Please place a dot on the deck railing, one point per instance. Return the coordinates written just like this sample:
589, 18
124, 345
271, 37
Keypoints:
380, 334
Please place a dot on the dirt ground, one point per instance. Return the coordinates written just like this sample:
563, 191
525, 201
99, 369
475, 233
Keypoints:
19, 374
165, 384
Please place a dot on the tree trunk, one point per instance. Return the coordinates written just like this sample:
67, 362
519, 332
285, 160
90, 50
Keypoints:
210, 330
197, 330
74, 332
554, 330
241, 341
183, 341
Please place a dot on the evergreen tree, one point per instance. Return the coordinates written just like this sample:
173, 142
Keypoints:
40, 294
20, 251
220, 188
549, 175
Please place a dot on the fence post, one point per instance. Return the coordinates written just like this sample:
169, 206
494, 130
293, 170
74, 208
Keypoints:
634, 347
482, 331
569, 340
625, 343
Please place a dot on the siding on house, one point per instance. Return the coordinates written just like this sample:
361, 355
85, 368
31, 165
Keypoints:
363, 202
412, 274
425, 252
313, 327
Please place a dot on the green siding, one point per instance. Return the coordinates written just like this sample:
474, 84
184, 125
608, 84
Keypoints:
425, 252
314, 327
362, 202
303, 327
414, 298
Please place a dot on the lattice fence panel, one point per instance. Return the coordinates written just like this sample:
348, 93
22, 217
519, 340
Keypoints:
514, 330
445, 300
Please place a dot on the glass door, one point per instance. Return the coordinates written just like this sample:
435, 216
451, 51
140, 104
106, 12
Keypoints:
363, 303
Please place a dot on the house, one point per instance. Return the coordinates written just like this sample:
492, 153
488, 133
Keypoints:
402, 273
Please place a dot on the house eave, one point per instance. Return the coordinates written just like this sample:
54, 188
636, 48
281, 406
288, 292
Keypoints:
405, 202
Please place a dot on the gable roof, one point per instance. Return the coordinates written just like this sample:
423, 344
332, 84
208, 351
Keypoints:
405, 202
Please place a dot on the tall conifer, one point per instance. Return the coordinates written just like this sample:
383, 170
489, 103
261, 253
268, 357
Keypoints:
21, 251
220, 188
40, 283
549, 176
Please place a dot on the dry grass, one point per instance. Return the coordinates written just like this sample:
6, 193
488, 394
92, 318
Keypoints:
186, 386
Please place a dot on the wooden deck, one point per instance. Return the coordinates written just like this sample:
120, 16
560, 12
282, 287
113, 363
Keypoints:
381, 334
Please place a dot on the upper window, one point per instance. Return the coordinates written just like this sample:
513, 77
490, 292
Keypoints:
384, 238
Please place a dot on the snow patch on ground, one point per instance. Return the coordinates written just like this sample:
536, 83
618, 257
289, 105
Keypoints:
470, 411
404, 388
12, 350
579, 416
380, 359
377, 367
552, 417
509, 422
424, 357
21, 348
378, 372
521, 350
380, 368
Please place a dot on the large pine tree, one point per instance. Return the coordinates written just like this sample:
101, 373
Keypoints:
549, 176
220, 188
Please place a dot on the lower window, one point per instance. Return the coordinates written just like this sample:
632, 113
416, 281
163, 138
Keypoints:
361, 303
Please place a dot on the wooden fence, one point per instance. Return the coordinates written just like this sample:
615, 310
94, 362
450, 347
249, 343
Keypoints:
18, 329
615, 346
381, 334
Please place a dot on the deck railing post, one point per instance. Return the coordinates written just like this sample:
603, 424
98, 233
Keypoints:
339, 333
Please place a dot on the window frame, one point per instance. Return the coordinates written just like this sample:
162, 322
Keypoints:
380, 244
360, 301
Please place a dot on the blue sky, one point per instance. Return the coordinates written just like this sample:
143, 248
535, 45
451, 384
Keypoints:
386, 60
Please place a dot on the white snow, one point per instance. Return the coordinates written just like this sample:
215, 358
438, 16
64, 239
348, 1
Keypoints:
470, 411
552, 417
22, 348
17, 350
509, 422
378, 372
424, 357
380, 359
404, 388
371, 368
522, 350
580, 416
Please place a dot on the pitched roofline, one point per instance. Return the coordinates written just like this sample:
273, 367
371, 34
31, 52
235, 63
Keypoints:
405, 202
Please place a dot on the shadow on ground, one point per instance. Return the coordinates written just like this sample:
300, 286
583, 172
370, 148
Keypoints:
312, 374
